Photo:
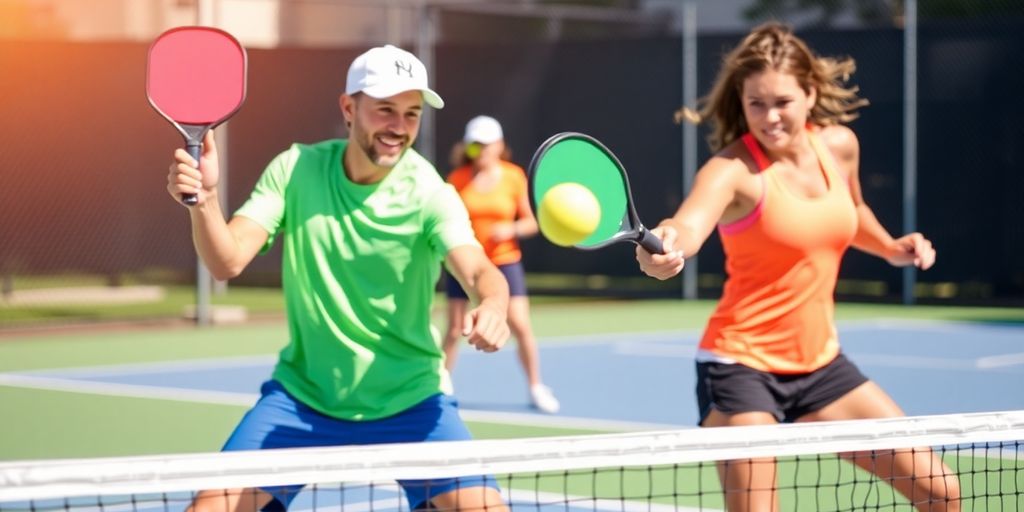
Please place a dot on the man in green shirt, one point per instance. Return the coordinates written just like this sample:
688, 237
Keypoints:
365, 223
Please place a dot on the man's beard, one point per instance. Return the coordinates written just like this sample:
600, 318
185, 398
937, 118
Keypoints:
387, 161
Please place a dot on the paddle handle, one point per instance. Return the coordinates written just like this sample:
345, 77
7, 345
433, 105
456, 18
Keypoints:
195, 149
650, 242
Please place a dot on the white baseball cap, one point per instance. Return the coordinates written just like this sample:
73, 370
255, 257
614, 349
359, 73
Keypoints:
483, 129
385, 71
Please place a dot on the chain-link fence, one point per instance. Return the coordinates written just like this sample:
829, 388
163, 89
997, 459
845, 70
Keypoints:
83, 203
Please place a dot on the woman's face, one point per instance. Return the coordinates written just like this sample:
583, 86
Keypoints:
775, 107
484, 155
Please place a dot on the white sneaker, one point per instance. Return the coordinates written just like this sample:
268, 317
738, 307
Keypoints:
543, 399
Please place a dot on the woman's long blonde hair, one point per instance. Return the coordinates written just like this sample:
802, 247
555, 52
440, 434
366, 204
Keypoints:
773, 46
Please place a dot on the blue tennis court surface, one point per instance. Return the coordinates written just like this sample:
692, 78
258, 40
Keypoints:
642, 379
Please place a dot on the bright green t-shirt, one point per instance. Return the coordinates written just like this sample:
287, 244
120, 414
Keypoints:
359, 267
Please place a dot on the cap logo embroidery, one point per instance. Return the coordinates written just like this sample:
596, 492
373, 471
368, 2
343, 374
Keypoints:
403, 66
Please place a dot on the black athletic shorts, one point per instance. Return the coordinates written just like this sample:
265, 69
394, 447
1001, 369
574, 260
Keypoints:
735, 388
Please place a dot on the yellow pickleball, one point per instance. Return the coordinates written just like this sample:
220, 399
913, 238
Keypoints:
568, 213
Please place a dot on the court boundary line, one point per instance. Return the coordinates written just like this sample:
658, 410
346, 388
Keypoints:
119, 390
515, 498
990, 362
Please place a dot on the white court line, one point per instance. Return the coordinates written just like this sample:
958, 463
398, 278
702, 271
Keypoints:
938, 363
516, 498
128, 390
180, 365
248, 399
538, 420
920, 324
690, 351
1001, 361
888, 360
520, 497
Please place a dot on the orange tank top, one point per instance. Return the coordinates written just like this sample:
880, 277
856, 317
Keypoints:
782, 260
499, 203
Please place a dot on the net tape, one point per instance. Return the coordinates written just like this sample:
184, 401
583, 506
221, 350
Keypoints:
48, 479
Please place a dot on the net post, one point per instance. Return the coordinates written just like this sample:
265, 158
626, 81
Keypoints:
689, 69
909, 137
429, 23
205, 15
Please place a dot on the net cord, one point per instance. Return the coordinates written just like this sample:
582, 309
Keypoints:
48, 479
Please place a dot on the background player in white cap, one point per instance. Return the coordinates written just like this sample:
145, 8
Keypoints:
495, 193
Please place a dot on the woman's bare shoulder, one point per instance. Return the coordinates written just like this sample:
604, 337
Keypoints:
840, 140
733, 160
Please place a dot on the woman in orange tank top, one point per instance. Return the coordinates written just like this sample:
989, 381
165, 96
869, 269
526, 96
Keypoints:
494, 191
784, 194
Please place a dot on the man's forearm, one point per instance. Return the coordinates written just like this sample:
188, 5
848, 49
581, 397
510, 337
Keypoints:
492, 288
214, 242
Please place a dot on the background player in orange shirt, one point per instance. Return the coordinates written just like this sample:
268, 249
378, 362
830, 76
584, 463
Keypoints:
784, 192
495, 193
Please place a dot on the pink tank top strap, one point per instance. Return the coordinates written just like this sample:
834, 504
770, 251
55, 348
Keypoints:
763, 163
755, 151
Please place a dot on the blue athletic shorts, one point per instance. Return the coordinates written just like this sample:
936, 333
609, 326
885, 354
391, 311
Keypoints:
513, 272
278, 420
